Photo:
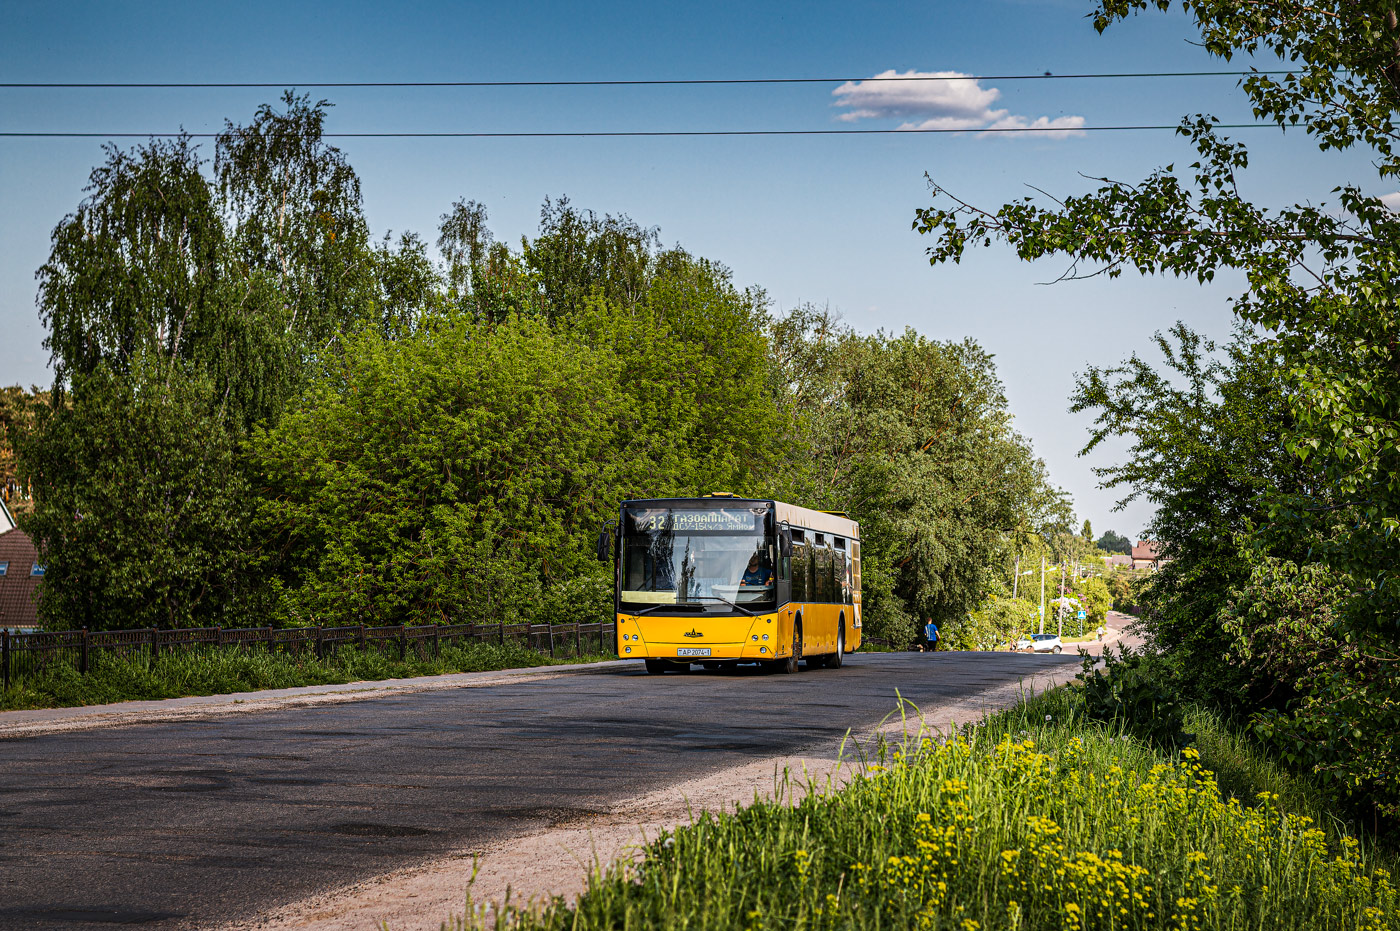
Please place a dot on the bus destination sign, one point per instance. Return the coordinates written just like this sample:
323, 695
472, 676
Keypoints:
732, 520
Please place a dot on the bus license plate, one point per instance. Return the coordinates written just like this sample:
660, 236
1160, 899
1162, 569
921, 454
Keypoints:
692, 651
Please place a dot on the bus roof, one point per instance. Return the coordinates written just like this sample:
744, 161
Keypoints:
820, 521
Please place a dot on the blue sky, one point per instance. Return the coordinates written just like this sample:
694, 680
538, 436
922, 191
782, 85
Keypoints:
810, 219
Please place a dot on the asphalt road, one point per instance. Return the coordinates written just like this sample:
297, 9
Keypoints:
193, 824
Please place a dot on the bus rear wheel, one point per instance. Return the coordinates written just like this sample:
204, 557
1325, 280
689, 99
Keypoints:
834, 660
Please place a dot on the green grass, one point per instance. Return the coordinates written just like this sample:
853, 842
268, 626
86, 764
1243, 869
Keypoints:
1034, 820
113, 678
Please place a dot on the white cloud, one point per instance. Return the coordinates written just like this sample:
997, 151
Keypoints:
1392, 201
891, 98
1043, 126
940, 104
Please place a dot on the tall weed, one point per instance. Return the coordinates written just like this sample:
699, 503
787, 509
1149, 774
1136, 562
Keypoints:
1035, 820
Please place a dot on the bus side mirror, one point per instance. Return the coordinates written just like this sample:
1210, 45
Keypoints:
604, 545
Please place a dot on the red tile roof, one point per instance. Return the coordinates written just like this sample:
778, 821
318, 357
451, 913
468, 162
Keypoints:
1146, 549
18, 587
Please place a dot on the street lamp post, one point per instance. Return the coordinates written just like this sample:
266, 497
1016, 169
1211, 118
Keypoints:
1042, 594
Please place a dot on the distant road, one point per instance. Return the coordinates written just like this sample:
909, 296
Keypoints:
196, 823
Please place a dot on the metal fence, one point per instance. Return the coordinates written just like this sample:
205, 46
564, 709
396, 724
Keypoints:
26, 654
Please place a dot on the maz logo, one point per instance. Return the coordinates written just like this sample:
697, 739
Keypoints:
693, 633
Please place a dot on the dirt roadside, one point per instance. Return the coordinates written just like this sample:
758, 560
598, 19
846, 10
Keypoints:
557, 860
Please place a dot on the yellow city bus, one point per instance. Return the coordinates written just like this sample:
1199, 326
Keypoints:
721, 580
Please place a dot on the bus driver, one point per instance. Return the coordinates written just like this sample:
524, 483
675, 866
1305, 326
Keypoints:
757, 573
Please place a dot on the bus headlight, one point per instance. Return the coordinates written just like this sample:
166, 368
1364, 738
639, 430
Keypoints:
765, 636
763, 649
755, 637
627, 649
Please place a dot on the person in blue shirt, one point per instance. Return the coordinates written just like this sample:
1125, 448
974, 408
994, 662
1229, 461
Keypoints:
757, 573
931, 634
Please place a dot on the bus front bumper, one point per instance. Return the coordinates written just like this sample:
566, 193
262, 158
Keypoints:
703, 639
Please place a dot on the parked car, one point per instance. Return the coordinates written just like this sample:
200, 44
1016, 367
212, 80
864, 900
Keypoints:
1040, 643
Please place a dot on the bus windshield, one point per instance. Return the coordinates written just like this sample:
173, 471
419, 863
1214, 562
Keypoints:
696, 555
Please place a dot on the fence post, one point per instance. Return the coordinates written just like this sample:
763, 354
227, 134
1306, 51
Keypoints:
578, 639
501, 632
218, 636
403, 643
437, 643
362, 636
551, 641
155, 644
5, 649
471, 630
320, 647
271, 640
83, 652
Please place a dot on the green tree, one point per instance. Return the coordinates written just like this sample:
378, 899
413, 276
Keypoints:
912, 438
1112, 542
578, 255
296, 224
451, 475
996, 622
18, 412
143, 507
156, 372
1321, 286
136, 269
1094, 598
165, 294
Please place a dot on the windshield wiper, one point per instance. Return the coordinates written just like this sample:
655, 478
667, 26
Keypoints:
731, 604
691, 604
655, 607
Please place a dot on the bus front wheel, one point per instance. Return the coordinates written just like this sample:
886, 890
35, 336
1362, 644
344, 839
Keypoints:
789, 666
656, 667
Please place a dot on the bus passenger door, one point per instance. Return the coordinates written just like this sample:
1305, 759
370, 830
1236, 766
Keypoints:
783, 572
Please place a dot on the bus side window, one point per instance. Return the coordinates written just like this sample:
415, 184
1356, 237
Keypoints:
855, 566
799, 577
841, 572
833, 582
847, 585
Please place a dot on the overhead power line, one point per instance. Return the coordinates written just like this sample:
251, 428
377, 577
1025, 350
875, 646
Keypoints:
1046, 76
582, 134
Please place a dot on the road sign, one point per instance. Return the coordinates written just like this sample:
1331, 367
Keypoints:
1081, 615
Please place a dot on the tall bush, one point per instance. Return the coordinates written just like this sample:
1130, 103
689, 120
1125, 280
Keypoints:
444, 477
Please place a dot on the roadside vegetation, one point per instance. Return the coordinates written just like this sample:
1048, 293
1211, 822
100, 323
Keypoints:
1038, 818
223, 671
1271, 458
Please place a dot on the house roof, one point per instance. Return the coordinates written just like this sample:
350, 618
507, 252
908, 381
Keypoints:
18, 586
1146, 549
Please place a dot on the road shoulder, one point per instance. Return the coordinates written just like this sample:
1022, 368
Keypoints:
33, 723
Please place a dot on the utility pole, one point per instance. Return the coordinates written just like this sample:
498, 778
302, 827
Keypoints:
1016, 579
1042, 594
1060, 612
